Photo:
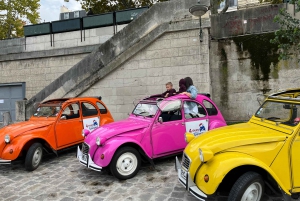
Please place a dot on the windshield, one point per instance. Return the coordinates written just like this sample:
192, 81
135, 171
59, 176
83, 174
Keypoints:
284, 113
47, 111
145, 109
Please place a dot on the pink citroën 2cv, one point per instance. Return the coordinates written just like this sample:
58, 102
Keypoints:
156, 128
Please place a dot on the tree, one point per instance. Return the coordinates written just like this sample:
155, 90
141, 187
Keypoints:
288, 36
16, 13
104, 6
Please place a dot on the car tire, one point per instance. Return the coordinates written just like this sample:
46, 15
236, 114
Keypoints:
33, 157
126, 163
249, 186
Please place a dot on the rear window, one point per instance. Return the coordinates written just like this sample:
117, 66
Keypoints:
210, 108
88, 110
102, 109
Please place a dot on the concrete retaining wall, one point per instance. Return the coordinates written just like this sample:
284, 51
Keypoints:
241, 73
248, 21
37, 72
58, 41
172, 56
165, 17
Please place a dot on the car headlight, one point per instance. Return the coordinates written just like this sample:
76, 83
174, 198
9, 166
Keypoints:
205, 155
85, 132
201, 155
7, 139
188, 137
98, 141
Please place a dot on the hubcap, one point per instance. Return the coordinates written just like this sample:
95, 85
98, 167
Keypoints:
253, 192
126, 164
37, 156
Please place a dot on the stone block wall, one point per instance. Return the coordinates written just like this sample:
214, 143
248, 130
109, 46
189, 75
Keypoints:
37, 73
242, 72
173, 56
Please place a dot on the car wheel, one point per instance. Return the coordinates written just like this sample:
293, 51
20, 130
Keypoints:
125, 163
33, 157
249, 187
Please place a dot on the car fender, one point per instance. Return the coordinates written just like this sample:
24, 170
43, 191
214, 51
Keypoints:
13, 149
220, 165
216, 124
110, 147
106, 121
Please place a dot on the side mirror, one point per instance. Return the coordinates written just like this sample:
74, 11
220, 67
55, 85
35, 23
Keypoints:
160, 120
63, 117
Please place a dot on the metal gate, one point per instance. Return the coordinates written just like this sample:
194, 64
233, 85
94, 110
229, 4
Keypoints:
9, 94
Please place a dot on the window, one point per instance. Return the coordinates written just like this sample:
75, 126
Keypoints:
102, 109
71, 111
145, 109
284, 113
232, 3
76, 14
66, 16
193, 110
171, 116
88, 109
210, 108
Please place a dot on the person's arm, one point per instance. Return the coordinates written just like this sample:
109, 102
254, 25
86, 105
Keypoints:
192, 94
164, 94
172, 92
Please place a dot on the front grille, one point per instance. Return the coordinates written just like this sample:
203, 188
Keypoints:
85, 148
185, 162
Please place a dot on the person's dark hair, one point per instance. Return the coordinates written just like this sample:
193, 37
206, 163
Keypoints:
182, 87
188, 82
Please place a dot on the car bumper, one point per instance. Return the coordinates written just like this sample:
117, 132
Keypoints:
186, 180
87, 161
5, 162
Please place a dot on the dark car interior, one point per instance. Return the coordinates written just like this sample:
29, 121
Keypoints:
88, 112
171, 116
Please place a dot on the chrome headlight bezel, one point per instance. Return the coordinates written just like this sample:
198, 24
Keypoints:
98, 141
201, 156
7, 139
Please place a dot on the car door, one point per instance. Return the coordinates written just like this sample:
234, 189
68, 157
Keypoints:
69, 126
90, 116
168, 135
295, 149
195, 117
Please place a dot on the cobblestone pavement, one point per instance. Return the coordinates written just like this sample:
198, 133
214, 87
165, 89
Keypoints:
63, 178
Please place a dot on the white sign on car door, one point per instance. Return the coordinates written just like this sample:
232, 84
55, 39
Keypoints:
91, 123
197, 127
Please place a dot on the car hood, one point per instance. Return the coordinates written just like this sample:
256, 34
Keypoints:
116, 128
227, 137
19, 128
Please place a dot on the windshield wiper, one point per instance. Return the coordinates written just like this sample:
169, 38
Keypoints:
150, 115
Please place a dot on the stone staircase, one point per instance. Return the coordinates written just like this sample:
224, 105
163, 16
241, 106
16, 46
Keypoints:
160, 18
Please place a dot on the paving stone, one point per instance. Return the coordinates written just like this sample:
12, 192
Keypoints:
63, 178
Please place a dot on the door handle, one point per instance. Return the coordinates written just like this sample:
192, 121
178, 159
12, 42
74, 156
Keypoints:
80, 120
182, 123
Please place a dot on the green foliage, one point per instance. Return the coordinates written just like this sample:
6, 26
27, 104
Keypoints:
14, 14
262, 56
104, 6
288, 36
